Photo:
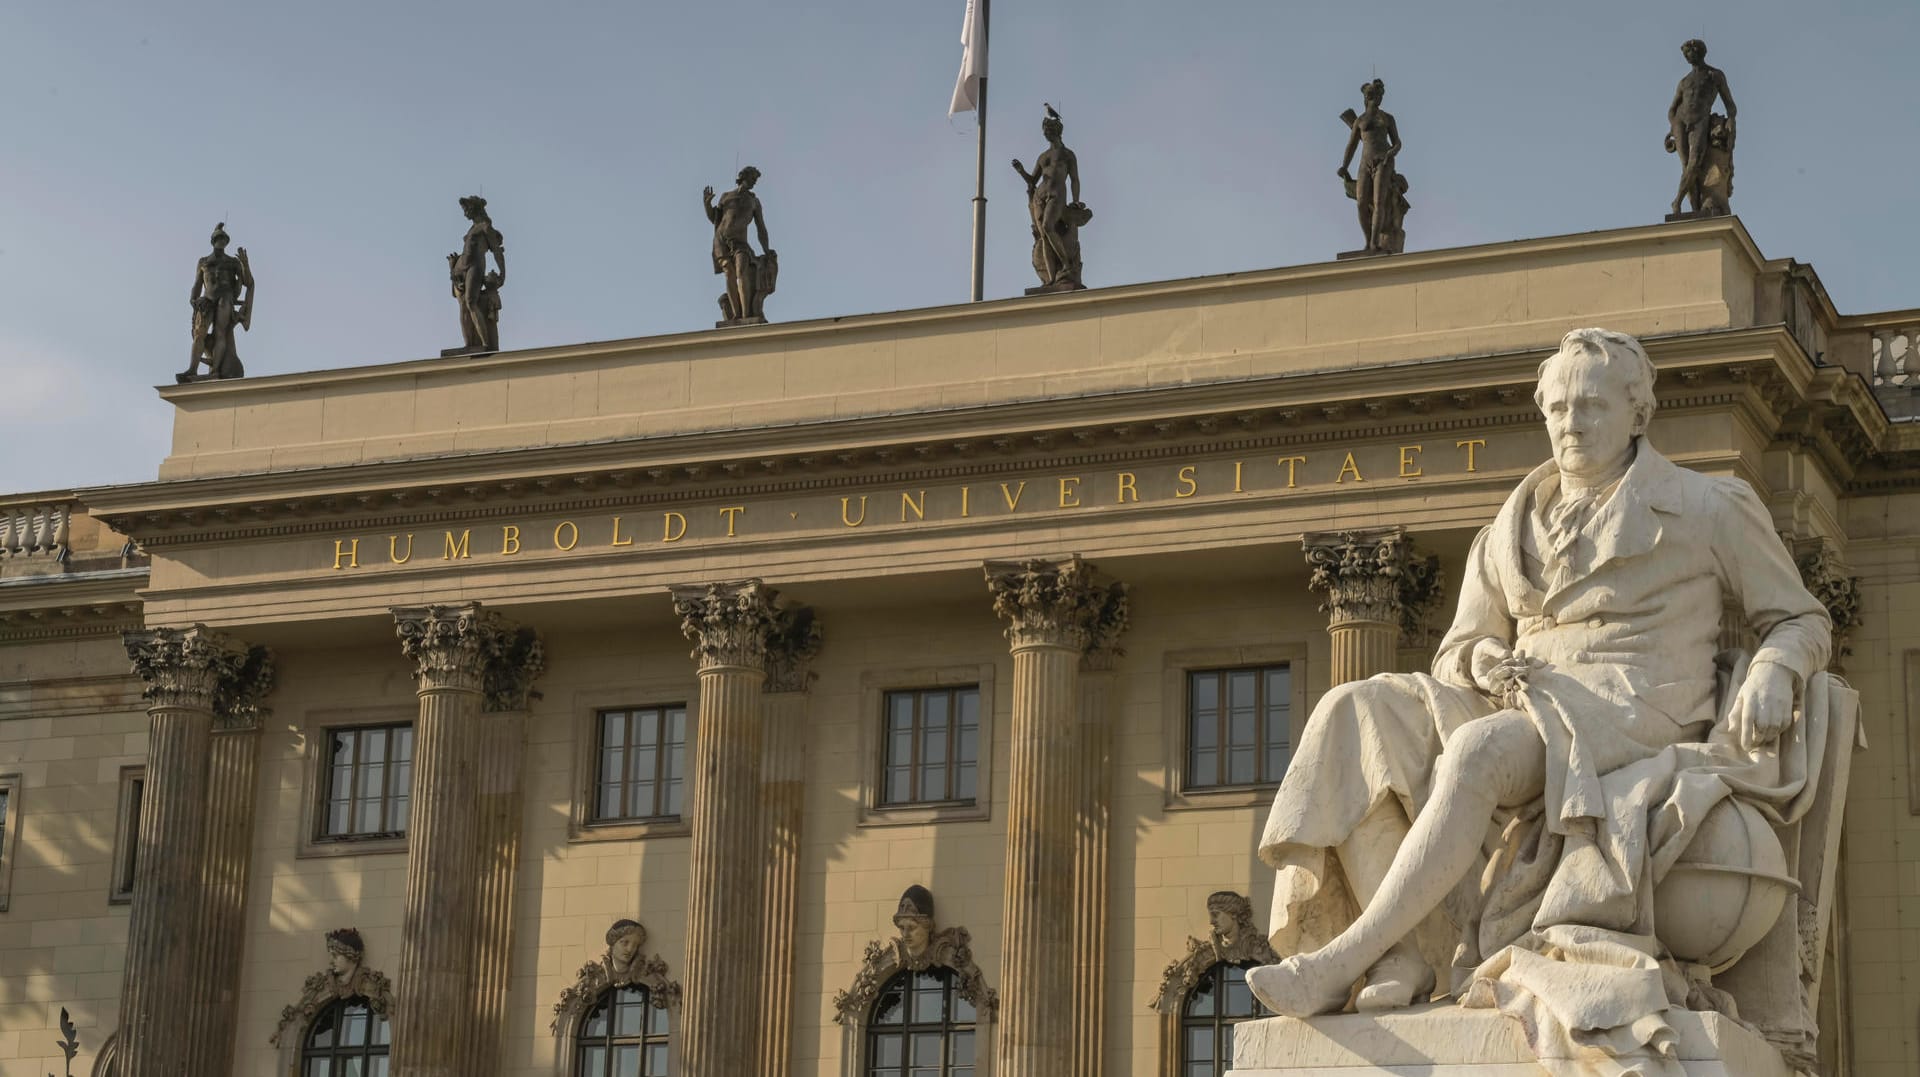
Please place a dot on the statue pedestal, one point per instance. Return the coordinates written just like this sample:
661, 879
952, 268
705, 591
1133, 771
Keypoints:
449, 353
1367, 252
1444, 1040
1061, 286
1692, 215
729, 323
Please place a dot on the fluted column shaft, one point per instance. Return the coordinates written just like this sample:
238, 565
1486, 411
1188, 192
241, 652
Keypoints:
1054, 610
233, 778
450, 983
1094, 780
782, 795
738, 632
497, 774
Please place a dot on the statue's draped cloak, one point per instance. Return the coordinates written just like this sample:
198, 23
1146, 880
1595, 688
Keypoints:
1630, 704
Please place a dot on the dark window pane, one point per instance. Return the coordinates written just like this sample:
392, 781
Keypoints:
889, 1049
593, 1061
369, 773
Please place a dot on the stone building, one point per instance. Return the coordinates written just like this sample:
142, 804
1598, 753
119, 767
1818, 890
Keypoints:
1007, 602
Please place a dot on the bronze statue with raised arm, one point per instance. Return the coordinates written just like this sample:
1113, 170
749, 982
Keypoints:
1055, 209
222, 298
750, 277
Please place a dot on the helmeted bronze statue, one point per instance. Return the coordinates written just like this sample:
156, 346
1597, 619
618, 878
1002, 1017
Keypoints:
222, 297
750, 277
475, 287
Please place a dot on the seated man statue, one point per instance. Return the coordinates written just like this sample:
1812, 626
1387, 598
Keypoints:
1581, 703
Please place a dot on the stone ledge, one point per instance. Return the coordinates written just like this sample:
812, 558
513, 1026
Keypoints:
1444, 1040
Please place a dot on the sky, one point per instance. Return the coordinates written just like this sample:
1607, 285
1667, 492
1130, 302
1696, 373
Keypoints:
334, 140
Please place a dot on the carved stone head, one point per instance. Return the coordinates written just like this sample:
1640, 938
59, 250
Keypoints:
474, 206
1229, 913
1694, 49
1051, 126
1597, 395
747, 178
219, 238
914, 919
624, 942
1373, 92
345, 953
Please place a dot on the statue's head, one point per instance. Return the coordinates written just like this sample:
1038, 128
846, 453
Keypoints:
1226, 911
747, 178
219, 237
624, 940
1373, 92
1597, 395
914, 919
1694, 49
474, 206
1051, 126
345, 951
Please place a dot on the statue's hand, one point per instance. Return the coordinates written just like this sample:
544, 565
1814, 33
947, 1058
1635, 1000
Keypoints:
1505, 678
707, 194
1344, 174
1764, 708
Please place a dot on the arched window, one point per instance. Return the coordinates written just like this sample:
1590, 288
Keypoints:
347, 1039
921, 1027
1218, 1002
624, 1035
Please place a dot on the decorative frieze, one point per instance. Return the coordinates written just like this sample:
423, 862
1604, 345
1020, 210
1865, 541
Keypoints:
1234, 938
624, 964
918, 945
200, 669
1057, 603
468, 647
346, 976
731, 623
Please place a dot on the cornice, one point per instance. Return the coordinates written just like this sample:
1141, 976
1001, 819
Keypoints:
1761, 370
62, 606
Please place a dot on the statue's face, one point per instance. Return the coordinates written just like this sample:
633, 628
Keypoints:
342, 964
1590, 420
916, 933
1222, 922
1693, 53
624, 949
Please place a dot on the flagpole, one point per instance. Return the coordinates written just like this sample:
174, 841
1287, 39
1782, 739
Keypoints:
980, 167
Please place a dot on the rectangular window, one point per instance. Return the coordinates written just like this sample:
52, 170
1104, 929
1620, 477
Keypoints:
642, 764
126, 841
1237, 726
931, 747
368, 780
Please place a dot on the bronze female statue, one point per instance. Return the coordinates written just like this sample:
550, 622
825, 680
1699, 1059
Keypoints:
1053, 202
1379, 190
477, 289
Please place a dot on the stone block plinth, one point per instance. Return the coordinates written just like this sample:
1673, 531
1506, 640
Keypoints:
1445, 1040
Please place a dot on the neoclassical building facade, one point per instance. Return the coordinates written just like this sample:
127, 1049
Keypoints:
885, 695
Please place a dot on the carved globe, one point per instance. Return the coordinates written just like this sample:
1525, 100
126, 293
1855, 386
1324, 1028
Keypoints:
1727, 889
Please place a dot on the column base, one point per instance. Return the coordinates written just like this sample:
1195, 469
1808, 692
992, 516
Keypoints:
1444, 1040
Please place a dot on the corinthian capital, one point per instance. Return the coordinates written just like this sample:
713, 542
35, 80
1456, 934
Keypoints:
200, 669
1058, 603
1372, 575
1824, 574
733, 623
792, 645
466, 647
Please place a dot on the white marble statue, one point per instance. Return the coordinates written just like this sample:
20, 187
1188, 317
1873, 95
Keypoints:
1582, 744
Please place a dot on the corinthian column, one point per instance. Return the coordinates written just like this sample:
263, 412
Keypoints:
1054, 611
467, 661
171, 1019
1374, 589
734, 627
783, 755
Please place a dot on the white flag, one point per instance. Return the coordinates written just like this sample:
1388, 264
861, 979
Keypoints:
973, 61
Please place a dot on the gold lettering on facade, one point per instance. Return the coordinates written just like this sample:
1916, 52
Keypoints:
1471, 444
1126, 487
1070, 488
919, 507
509, 540
347, 553
1291, 462
1187, 480
1237, 488
1347, 467
458, 549
965, 491
849, 520
1410, 467
732, 513
572, 531
667, 533
393, 549
616, 534
1013, 496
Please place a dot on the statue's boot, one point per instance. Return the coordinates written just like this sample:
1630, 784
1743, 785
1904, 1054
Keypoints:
1301, 986
1396, 981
